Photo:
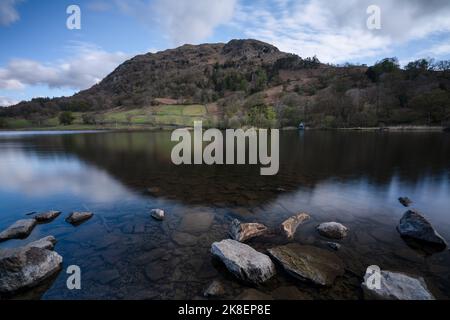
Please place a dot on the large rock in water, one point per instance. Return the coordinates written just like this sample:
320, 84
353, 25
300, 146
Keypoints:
289, 226
332, 230
44, 243
19, 230
77, 218
243, 261
308, 263
414, 225
397, 286
245, 231
47, 216
26, 267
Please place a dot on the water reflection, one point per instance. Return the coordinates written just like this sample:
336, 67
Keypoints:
353, 177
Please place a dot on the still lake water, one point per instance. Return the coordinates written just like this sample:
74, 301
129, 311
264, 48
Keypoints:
350, 177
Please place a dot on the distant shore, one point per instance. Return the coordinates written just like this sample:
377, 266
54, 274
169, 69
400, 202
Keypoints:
416, 128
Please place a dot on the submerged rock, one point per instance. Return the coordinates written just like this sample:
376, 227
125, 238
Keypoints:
184, 239
396, 286
44, 243
332, 230
26, 267
245, 231
47, 216
158, 214
196, 222
76, 218
289, 226
414, 225
333, 245
19, 230
253, 294
243, 261
405, 201
215, 290
308, 263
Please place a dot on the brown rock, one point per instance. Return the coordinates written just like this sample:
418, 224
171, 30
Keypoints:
289, 226
245, 231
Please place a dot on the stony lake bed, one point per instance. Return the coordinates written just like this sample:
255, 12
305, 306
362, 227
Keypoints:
353, 178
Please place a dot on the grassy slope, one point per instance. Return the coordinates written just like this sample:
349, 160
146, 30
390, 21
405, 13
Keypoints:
168, 115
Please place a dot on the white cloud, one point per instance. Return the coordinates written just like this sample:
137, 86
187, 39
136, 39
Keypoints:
85, 67
180, 21
6, 102
8, 12
336, 31
192, 21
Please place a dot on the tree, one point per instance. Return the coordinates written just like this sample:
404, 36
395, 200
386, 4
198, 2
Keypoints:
3, 123
66, 118
386, 65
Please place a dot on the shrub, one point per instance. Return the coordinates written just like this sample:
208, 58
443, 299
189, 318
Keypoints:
66, 118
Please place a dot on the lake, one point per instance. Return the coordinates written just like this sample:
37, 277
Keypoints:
351, 177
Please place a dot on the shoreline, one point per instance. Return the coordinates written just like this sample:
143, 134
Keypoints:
413, 128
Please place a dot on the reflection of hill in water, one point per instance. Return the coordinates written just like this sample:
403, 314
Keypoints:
142, 160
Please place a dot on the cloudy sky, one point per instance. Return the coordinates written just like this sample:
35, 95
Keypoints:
40, 56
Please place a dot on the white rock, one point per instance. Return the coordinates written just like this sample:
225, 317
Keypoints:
243, 261
397, 286
158, 214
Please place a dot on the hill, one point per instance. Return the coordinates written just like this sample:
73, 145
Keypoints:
248, 82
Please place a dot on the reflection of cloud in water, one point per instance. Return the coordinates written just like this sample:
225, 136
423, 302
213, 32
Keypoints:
41, 176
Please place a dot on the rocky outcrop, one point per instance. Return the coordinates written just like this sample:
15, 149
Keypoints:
19, 230
245, 231
414, 225
47, 216
26, 267
308, 263
332, 230
44, 243
158, 214
396, 286
289, 226
214, 290
77, 218
405, 201
243, 261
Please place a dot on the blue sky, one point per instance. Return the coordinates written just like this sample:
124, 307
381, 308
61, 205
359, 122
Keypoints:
39, 56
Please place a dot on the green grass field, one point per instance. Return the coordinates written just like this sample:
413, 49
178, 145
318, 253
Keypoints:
178, 115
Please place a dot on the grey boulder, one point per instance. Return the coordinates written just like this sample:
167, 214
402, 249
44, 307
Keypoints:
332, 230
19, 230
44, 243
245, 231
243, 261
76, 218
396, 286
307, 263
26, 267
47, 216
414, 225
